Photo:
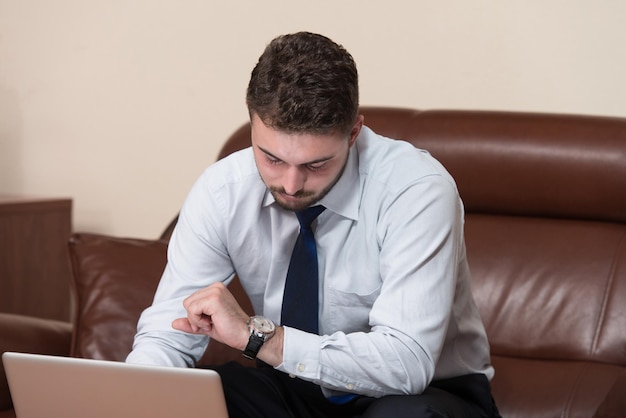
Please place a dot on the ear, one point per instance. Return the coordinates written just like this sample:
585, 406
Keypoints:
356, 129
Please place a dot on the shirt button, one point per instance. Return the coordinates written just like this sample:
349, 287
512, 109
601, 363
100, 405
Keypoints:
349, 386
301, 368
293, 376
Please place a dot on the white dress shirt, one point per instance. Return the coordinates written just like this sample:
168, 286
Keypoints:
395, 311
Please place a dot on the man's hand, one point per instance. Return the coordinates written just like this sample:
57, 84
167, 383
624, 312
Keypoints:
213, 311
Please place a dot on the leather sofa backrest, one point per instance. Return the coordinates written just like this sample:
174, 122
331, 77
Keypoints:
530, 164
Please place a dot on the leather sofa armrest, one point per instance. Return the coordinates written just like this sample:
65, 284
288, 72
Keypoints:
30, 335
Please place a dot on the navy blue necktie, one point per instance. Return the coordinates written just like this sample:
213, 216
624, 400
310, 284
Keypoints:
300, 300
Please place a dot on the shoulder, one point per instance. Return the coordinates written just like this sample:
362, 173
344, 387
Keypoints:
234, 174
397, 165
234, 168
224, 183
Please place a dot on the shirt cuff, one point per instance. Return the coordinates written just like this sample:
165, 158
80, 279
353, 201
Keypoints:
301, 354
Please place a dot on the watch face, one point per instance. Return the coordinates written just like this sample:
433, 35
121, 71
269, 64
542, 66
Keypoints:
262, 324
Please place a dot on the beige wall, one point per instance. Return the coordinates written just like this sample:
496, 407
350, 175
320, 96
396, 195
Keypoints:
120, 104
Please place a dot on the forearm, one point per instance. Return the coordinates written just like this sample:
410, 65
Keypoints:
157, 343
167, 349
372, 364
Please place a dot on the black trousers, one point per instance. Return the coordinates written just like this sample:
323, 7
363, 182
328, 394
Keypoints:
264, 392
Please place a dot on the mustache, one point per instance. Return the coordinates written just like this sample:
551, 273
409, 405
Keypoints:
301, 193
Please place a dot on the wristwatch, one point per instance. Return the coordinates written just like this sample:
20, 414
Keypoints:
261, 330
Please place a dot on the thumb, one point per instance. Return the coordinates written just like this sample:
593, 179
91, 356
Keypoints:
182, 324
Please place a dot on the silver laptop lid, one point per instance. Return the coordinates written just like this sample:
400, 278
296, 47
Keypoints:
64, 387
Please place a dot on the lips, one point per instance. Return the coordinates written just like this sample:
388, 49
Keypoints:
290, 197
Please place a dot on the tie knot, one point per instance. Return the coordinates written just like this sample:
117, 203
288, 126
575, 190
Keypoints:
307, 216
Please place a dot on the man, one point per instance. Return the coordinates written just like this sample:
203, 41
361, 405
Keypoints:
393, 329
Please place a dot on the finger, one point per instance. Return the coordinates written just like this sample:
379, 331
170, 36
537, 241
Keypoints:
182, 324
199, 313
204, 322
212, 290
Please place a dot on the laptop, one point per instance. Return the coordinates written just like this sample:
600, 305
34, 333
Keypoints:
64, 387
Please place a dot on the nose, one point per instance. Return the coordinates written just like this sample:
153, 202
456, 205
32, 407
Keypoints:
294, 180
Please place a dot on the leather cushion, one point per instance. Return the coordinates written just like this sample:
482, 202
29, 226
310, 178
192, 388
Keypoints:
114, 280
525, 387
550, 288
614, 404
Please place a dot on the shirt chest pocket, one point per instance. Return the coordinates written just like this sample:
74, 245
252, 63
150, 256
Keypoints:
349, 304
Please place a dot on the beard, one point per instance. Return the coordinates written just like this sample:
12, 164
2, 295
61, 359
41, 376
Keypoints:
306, 198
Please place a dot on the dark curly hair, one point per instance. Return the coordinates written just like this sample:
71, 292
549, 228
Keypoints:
305, 83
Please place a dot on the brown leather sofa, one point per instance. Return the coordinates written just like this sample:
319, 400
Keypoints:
545, 196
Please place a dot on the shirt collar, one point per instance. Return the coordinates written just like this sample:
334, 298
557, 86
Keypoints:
343, 198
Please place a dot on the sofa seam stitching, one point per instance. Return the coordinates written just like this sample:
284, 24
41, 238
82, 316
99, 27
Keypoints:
605, 297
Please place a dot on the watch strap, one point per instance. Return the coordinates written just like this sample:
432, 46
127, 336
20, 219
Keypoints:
254, 345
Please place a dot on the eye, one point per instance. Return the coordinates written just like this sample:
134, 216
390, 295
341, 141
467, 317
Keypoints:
316, 166
272, 161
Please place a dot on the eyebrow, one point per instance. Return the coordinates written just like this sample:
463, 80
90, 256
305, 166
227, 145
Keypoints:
319, 160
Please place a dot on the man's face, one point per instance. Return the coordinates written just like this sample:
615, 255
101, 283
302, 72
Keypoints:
300, 169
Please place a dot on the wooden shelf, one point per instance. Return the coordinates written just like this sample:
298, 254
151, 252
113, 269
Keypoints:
34, 272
